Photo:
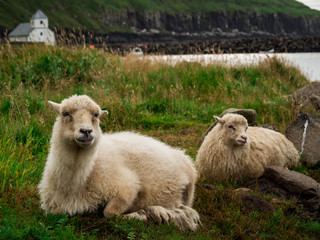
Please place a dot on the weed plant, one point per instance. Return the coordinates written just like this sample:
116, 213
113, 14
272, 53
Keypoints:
172, 103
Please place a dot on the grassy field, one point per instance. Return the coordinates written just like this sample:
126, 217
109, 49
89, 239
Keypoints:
173, 104
89, 13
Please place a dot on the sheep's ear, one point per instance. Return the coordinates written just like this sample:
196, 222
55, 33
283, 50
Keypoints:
219, 120
103, 112
55, 106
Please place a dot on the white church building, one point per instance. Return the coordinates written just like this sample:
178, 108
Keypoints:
35, 31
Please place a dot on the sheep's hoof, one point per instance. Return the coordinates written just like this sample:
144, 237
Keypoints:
108, 213
137, 215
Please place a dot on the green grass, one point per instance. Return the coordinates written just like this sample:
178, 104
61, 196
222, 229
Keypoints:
173, 104
88, 13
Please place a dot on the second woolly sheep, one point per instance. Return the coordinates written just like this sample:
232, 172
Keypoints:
234, 151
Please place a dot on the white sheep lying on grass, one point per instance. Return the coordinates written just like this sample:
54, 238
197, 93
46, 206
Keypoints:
130, 174
234, 151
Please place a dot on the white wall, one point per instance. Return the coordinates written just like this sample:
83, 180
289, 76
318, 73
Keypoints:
40, 23
19, 39
42, 35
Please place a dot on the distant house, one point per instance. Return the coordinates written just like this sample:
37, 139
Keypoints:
35, 31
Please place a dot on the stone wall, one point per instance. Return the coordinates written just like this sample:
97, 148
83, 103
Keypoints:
226, 45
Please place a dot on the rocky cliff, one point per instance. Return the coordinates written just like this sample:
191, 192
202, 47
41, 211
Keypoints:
215, 23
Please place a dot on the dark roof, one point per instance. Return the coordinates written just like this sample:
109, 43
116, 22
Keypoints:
38, 15
23, 29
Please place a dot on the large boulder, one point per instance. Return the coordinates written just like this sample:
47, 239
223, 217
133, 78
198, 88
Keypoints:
294, 183
307, 97
249, 114
282, 182
304, 133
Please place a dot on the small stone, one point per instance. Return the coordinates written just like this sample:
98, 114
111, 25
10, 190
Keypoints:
242, 190
257, 203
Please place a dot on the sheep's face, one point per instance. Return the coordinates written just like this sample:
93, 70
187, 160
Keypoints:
79, 120
235, 128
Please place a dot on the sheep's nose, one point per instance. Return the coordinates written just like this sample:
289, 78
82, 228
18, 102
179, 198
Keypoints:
244, 137
85, 131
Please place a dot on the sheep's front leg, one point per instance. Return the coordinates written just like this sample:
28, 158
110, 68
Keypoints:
125, 187
117, 206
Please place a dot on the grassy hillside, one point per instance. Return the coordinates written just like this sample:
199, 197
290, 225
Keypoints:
173, 104
88, 13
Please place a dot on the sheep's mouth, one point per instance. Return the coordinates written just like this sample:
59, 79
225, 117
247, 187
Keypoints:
242, 142
85, 141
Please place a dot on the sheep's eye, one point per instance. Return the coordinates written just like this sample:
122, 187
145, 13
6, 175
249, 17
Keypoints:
66, 114
231, 127
95, 116
246, 128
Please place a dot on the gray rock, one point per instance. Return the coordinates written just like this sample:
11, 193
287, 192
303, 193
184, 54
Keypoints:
315, 101
290, 184
249, 114
270, 127
307, 97
306, 92
304, 133
296, 183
